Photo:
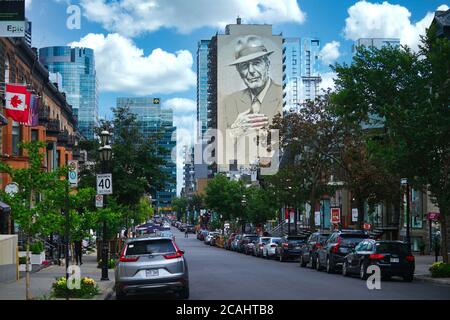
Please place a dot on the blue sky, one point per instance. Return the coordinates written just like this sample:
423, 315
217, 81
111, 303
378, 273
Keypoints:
148, 47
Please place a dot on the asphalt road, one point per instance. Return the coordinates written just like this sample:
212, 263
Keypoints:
217, 274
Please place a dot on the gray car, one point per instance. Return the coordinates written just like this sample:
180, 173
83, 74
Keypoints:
152, 264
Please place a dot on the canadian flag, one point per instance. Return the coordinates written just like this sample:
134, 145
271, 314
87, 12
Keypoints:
17, 103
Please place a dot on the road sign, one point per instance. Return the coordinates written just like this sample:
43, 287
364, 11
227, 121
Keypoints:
73, 172
104, 183
367, 226
354, 215
335, 215
99, 201
433, 216
317, 218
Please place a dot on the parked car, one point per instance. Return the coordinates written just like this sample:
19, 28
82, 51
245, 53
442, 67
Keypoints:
393, 257
270, 248
190, 228
309, 249
228, 240
331, 255
151, 265
235, 242
290, 247
249, 245
182, 227
259, 245
202, 234
246, 238
210, 235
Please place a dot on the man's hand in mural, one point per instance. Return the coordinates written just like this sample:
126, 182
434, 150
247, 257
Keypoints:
247, 121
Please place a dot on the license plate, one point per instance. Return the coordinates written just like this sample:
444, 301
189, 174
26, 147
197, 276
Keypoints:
152, 273
297, 248
395, 260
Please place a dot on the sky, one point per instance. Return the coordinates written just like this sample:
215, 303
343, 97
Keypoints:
148, 47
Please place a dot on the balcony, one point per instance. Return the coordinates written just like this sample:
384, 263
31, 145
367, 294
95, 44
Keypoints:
53, 127
63, 137
71, 140
44, 114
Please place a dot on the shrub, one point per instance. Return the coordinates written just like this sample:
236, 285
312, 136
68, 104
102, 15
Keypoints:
88, 289
22, 260
111, 263
440, 270
37, 247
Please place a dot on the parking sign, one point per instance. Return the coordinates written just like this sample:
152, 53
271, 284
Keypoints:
104, 183
73, 172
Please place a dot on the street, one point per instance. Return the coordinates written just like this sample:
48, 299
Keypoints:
217, 274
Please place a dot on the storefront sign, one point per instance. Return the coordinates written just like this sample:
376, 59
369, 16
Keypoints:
335, 215
354, 215
12, 18
433, 216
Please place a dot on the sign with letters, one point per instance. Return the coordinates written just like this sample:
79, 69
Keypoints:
99, 201
335, 215
104, 184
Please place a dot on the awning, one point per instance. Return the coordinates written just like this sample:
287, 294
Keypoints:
4, 208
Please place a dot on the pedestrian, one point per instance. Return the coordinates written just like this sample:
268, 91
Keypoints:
186, 233
78, 251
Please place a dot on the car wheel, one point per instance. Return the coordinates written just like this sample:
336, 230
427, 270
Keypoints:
344, 269
362, 272
408, 278
119, 294
329, 266
302, 261
281, 257
318, 266
184, 294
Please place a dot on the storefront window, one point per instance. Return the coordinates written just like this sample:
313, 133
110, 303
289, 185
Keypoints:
416, 209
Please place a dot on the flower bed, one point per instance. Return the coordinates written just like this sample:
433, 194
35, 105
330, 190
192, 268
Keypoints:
440, 270
88, 289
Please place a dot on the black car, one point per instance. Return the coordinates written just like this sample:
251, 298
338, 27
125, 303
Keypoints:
309, 249
190, 229
246, 238
290, 247
331, 254
393, 257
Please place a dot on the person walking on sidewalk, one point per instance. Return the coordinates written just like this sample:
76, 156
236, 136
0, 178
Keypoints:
78, 251
186, 233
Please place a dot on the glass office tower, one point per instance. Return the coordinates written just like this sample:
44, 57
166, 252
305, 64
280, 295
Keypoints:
156, 121
202, 85
76, 66
301, 77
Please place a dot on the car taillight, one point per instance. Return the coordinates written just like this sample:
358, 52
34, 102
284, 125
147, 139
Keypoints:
318, 245
376, 256
285, 245
273, 245
410, 258
175, 255
129, 258
335, 249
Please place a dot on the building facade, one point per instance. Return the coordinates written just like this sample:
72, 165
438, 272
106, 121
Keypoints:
57, 125
301, 77
202, 86
76, 67
157, 122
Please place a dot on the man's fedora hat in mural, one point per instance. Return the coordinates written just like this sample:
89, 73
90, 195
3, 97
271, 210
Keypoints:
249, 48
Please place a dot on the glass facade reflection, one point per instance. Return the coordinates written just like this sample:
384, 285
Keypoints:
202, 85
156, 121
76, 66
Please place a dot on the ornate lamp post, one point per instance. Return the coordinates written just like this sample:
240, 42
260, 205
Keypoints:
105, 158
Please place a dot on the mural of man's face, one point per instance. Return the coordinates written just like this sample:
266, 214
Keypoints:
255, 73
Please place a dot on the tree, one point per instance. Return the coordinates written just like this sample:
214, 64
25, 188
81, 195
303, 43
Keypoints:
410, 93
27, 206
179, 205
260, 205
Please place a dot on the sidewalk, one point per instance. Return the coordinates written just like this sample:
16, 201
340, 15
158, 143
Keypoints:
422, 273
41, 282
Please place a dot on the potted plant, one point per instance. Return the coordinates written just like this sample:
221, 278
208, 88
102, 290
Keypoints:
37, 252
22, 263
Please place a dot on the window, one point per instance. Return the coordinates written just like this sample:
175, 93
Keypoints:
34, 135
7, 70
16, 138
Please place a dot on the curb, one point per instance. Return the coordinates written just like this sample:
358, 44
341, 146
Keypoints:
108, 291
426, 278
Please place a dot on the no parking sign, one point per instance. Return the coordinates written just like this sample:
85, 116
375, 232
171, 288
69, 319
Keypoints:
73, 172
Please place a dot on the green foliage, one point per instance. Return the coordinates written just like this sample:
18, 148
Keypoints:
88, 289
111, 263
22, 260
440, 270
179, 205
37, 247
260, 205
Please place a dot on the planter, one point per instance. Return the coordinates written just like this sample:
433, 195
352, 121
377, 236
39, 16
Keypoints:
22, 267
38, 258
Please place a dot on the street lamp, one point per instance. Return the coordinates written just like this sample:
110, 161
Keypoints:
105, 153
244, 204
404, 182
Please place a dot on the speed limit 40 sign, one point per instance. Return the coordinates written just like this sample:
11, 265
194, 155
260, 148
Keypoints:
104, 183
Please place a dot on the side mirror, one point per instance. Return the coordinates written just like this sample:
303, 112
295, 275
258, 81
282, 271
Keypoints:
181, 251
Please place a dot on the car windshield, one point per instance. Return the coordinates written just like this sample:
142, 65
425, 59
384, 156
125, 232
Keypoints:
265, 240
323, 237
149, 247
251, 238
352, 240
276, 240
296, 240
392, 247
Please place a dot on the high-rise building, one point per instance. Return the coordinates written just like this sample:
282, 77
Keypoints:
188, 172
156, 121
202, 86
79, 82
301, 77
28, 32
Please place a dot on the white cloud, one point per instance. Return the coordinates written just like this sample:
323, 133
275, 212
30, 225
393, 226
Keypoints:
327, 81
134, 17
385, 20
28, 4
123, 67
181, 105
330, 52
443, 7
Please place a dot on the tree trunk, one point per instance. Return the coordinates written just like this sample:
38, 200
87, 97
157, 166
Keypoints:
444, 231
27, 270
360, 223
312, 216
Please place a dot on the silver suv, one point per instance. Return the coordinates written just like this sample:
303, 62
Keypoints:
151, 264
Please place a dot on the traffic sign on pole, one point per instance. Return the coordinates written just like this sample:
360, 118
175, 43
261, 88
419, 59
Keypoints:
99, 201
104, 183
73, 173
